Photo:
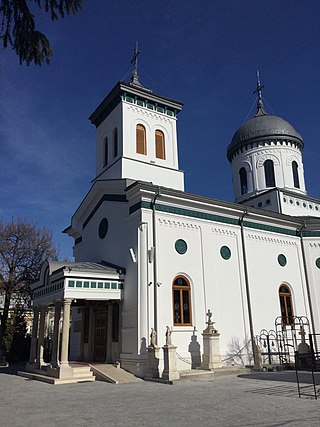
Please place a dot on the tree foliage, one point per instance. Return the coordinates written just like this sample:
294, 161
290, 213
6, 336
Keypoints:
18, 27
23, 248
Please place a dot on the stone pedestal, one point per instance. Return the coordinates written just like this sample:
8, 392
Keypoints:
211, 358
152, 369
170, 363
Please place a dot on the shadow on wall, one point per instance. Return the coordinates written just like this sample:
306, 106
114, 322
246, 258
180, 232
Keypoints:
194, 350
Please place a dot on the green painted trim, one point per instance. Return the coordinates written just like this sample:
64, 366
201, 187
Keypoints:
307, 233
271, 228
218, 218
105, 198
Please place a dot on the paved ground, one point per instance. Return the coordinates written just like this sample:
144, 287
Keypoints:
266, 399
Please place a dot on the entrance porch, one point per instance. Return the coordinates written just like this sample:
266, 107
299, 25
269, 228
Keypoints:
77, 312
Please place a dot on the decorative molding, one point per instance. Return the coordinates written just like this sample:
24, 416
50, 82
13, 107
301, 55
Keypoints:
314, 245
223, 232
272, 240
149, 113
268, 156
178, 224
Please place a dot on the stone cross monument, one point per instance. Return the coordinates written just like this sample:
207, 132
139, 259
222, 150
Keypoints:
211, 357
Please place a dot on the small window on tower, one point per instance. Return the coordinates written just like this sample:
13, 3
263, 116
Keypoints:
141, 146
115, 142
160, 145
106, 159
295, 174
243, 181
269, 173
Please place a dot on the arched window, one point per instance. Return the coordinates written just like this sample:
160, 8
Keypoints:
181, 296
141, 146
286, 305
295, 174
269, 173
105, 154
160, 145
243, 181
115, 142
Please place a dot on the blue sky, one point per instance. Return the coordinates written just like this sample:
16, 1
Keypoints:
204, 53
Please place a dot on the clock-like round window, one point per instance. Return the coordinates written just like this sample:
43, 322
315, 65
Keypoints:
103, 228
225, 252
318, 262
282, 260
181, 246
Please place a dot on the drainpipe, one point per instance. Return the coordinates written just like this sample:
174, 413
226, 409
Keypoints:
246, 278
155, 272
306, 275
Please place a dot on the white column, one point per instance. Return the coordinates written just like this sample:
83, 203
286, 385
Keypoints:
56, 330
33, 347
109, 334
39, 361
65, 331
143, 285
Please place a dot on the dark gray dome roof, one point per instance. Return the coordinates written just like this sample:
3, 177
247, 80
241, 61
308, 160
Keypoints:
266, 128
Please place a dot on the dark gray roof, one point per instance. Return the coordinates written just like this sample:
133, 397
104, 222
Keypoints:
103, 267
264, 127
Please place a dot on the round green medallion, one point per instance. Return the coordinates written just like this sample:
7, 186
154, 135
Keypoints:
225, 252
282, 260
103, 228
181, 246
318, 262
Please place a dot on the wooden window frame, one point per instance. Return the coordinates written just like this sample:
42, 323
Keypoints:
285, 299
180, 289
141, 145
160, 146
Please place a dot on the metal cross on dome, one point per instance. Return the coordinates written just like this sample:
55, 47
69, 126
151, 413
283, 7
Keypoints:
259, 92
209, 315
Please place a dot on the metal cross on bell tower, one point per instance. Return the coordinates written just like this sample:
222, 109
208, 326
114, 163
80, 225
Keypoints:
134, 61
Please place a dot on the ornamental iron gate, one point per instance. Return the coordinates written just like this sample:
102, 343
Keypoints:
279, 346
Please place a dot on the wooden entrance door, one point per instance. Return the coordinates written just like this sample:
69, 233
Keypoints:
100, 337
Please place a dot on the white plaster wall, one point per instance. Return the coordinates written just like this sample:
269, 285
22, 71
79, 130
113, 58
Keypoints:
312, 253
105, 129
253, 160
266, 276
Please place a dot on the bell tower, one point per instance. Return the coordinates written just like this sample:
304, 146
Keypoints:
136, 134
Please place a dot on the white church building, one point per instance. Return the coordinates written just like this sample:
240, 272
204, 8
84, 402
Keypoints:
148, 254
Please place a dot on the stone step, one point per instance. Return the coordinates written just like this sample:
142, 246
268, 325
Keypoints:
56, 381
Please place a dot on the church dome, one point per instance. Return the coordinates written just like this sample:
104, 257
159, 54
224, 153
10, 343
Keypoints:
263, 127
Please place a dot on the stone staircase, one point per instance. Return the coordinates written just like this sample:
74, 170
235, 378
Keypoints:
79, 374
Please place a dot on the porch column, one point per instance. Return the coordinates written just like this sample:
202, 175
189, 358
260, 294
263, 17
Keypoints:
109, 334
39, 361
91, 334
55, 338
65, 331
33, 347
